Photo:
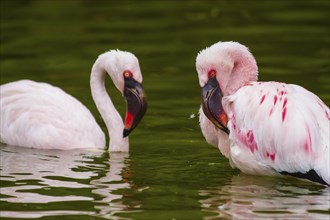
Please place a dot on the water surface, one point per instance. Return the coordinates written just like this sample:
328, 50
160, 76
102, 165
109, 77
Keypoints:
170, 172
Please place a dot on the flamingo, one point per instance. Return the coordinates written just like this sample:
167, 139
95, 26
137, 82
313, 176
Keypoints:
39, 115
263, 128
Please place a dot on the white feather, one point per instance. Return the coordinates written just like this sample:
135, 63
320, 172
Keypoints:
43, 116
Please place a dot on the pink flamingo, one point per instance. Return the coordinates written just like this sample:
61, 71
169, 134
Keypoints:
264, 128
39, 115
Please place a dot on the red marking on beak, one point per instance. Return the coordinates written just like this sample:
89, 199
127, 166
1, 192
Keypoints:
128, 120
223, 118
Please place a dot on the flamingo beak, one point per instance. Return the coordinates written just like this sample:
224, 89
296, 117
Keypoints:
136, 104
211, 104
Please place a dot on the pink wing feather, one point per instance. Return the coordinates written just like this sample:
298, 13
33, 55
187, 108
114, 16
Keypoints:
278, 127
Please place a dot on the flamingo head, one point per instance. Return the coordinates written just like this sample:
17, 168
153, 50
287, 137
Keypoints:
211, 103
222, 69
124, 70
136, 103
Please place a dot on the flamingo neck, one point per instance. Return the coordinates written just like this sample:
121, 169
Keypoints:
244, 71
109, 114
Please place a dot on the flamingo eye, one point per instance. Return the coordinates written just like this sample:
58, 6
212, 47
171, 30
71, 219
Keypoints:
212, 73
127, 74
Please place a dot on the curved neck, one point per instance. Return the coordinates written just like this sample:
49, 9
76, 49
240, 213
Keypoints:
109, 114
244, 71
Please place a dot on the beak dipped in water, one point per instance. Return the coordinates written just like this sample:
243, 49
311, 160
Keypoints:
136, 104
211, 104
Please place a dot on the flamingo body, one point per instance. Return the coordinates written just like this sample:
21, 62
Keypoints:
43, 116
39, 115
278, 127
275, 128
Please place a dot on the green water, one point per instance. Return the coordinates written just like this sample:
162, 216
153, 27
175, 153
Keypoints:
170, 172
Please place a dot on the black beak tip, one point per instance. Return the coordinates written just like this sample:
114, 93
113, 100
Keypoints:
226, 130
126, 132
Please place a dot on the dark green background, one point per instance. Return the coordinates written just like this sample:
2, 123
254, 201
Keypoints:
171, 171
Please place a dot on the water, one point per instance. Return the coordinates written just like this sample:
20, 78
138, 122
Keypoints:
170, 172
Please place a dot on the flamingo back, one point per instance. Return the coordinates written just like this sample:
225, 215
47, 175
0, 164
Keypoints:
43, 116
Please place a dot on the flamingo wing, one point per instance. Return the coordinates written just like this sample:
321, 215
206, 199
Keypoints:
43, 116
279, 128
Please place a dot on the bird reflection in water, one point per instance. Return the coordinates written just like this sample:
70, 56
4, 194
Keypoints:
60, 181
255, 197
108, 186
